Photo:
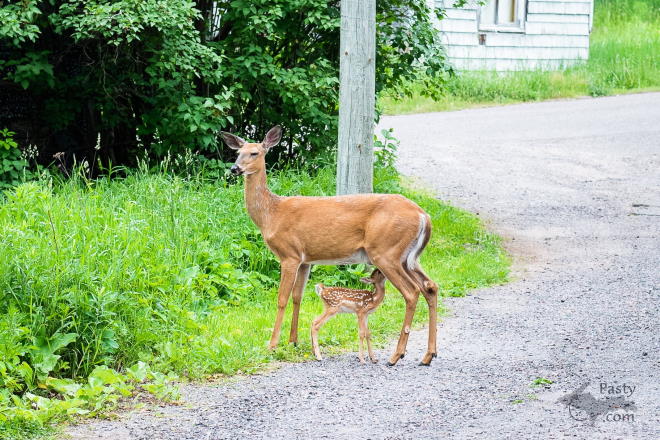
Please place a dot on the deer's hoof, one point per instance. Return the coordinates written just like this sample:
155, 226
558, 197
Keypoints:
427, 359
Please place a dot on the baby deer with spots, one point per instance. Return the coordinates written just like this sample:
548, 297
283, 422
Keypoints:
358, 301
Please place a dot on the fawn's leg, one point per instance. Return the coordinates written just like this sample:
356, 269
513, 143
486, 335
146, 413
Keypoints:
366, 328
287, 278
362, 335
316, 326
296, 297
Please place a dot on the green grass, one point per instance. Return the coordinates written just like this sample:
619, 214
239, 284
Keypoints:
624, 57
171, 272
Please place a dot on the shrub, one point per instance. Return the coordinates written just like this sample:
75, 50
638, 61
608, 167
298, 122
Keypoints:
175, 72
13, 164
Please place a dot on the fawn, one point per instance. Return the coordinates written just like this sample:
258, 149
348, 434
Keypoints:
359, 301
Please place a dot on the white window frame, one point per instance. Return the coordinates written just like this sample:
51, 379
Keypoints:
519, 27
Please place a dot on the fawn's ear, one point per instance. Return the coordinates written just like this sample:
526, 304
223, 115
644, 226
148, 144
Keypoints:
272, 138
234, 142
367, 280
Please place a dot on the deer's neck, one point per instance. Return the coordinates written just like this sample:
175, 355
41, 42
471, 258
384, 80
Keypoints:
258, 198
379, 294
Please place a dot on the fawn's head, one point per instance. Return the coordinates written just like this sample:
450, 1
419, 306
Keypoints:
251, 155
376, 278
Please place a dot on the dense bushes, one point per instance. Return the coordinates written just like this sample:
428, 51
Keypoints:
174, 72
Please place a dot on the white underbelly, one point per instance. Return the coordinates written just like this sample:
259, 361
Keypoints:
345, 309
358, 257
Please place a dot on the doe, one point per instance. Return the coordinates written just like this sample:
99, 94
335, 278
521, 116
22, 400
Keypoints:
384, 230
358, 301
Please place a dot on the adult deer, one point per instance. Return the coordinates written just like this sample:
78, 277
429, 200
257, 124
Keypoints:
385, 230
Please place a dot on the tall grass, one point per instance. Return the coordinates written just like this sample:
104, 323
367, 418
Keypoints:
625, 46
624, 57
171, 271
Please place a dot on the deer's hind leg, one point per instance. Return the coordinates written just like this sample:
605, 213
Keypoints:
395, 272
431, 296
365, 324
316, 326
430, 291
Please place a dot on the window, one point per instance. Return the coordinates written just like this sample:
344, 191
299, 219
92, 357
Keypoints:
502, 15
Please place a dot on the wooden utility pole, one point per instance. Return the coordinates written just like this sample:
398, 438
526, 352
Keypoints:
357, 96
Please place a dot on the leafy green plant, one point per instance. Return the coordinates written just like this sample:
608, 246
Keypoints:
541, 381
17, 21
43, 355
385, 150
13, 166
15, 373
102, 391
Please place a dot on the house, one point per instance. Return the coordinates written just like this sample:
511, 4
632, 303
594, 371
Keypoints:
516, 34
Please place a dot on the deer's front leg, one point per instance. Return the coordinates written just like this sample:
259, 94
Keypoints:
287, 278
298, 289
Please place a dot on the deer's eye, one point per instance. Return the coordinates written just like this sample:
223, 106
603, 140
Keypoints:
253, 154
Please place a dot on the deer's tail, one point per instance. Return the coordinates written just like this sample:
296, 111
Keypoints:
424, 283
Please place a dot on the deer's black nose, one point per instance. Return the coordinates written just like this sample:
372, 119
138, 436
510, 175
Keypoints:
235, 169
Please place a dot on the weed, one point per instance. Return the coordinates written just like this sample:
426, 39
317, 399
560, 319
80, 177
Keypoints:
541, 381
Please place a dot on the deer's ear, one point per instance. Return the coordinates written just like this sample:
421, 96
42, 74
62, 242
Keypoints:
366, 280
234, 142
272, 138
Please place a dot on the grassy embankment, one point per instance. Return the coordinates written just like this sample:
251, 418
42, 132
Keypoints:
171, 272
624, 57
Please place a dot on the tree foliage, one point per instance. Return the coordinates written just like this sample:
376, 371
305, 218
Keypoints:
169, 74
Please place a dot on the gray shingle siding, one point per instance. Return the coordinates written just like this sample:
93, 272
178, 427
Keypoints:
552, 34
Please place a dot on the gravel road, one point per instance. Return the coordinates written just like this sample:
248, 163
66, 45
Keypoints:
574, 187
